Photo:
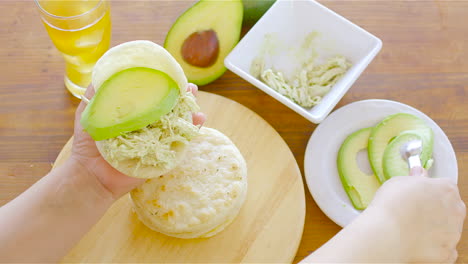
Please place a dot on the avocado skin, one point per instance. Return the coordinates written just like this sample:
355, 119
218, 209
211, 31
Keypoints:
254, 10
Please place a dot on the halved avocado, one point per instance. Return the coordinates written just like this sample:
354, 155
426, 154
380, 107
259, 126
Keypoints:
203, 36
359, 186
389, 129
393, 162
129, 100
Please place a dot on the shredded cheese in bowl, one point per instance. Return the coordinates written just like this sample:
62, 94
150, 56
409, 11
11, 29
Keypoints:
308, 87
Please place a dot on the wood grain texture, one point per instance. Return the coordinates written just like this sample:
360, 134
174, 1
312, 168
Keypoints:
423, 63
267, 229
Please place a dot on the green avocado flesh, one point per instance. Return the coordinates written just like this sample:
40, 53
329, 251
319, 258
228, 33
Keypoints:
129, 100
393, 163
254, 10
391, 128
202, 37
359, 186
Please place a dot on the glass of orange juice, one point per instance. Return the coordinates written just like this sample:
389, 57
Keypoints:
81, 31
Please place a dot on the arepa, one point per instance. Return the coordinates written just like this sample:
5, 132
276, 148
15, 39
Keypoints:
201, 196
157, 148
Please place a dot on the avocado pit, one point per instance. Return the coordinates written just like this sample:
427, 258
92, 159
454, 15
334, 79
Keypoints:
201, 48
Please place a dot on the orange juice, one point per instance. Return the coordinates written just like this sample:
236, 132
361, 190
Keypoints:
81, 31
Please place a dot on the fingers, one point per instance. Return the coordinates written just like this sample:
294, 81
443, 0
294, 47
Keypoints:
90, 92
192, 88
453, 257
461, 210
198, 118
78, 130
418, 171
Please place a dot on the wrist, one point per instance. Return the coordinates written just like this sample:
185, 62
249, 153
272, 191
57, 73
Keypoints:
381, 224
84, 184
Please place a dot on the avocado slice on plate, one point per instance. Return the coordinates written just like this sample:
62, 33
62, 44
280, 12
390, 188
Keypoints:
388, 130
203, 36
393, 163
359, 186
129, 100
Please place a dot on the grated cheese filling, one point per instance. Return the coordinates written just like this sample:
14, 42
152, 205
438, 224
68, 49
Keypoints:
154, 144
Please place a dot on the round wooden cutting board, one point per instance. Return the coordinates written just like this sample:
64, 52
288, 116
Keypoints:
267, 229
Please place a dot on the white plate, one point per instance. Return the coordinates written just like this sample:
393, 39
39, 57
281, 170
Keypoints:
320, 158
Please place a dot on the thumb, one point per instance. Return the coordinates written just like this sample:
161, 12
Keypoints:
418, 171
78, 130
88, 94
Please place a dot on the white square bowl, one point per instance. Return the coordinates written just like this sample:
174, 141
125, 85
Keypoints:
292, 21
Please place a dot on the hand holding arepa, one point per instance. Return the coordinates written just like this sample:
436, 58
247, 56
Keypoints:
86, 154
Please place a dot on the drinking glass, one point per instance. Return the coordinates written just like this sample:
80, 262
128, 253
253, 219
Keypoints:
81, 31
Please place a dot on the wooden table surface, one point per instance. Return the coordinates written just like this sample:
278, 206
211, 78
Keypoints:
423, 63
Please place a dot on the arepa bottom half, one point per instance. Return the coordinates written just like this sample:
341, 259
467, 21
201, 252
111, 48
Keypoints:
201, 196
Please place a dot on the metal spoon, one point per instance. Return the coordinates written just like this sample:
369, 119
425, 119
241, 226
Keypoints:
410, 151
